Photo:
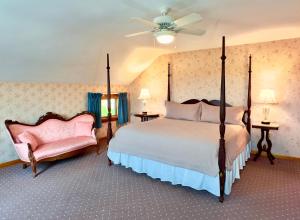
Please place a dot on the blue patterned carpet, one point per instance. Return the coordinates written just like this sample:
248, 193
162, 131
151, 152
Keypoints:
86, 188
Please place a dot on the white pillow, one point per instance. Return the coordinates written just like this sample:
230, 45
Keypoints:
210, 113
189, 112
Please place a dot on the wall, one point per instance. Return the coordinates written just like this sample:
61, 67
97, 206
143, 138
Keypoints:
196, 74
26, 102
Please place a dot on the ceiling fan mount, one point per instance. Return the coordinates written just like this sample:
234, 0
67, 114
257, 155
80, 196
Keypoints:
164, 10
164, 22
164, 27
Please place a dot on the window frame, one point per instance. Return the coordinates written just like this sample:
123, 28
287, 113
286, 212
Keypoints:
113, 117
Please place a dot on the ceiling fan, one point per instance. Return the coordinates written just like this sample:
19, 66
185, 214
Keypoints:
164, 27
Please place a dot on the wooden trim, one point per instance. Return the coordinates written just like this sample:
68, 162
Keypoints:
249, 96
10, 163
112, 96
33, 162
169, 82
103, 140
113, 118
222, 152
213, 102
71, 153
47, 116
266, 126
109, 129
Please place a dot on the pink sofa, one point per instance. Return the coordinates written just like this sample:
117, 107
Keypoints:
52, 137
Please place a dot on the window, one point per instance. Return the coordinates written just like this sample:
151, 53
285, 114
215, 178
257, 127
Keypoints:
114, 107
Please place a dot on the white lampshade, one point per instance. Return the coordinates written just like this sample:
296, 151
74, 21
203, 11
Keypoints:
165, 37
145, 94
267, 96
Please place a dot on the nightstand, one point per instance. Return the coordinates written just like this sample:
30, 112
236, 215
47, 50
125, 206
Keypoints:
265, 128
146, 117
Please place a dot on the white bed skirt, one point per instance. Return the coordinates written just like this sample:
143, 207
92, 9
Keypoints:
182, 176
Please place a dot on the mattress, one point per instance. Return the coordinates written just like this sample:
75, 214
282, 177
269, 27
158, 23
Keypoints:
190, 145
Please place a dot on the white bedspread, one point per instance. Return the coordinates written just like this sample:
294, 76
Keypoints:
187, 144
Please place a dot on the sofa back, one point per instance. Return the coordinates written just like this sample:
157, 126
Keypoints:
54, 129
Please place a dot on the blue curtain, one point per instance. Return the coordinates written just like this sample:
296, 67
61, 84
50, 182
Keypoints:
122, 108
94, 106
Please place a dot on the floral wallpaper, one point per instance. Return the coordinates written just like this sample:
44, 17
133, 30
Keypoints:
196, 74
26, 102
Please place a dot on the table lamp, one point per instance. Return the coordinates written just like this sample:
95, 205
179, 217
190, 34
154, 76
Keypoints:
144, 95
267, 96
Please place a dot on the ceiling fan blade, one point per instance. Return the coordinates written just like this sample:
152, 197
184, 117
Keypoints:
138, 33
144, 21
188, 19
192, 32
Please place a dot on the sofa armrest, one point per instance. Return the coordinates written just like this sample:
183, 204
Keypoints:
22, 151
94, 133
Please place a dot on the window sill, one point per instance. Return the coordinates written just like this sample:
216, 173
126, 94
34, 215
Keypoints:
113, 118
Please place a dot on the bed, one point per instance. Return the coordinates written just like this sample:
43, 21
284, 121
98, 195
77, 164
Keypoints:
189, 153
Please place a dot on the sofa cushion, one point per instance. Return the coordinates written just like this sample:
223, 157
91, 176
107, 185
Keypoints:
83, 128
27, 138
62, 146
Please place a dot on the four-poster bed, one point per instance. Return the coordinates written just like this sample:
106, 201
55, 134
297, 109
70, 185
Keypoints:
151, 152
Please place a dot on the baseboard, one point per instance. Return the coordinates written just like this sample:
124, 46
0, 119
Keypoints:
279, 156
103, 147
10, 163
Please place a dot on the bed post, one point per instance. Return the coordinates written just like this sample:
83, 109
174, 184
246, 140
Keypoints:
109, 130
222, 153
169, 82
249, 97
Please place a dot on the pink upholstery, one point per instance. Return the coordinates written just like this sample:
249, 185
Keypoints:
83, 128
51, 130
28, 138
22, 151
63, 146
54, 137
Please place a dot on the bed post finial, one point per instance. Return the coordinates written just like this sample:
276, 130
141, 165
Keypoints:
249, 96
169, 82
109, 129
222, 153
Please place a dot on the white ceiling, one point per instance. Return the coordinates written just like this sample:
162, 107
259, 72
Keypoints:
67, 40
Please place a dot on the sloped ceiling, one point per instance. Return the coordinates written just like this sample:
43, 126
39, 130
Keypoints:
67, 40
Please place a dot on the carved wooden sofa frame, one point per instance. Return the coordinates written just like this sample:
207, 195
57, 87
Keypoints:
49, 115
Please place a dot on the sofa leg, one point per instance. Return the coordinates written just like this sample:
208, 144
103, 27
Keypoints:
25, 165
98, 149
33, 167
32, 160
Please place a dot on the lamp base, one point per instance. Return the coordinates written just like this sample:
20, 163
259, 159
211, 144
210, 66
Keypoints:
266, 122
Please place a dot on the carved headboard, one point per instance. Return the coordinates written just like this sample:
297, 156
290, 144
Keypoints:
247, 113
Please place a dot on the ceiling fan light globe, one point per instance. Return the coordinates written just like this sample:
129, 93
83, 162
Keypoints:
165, 37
